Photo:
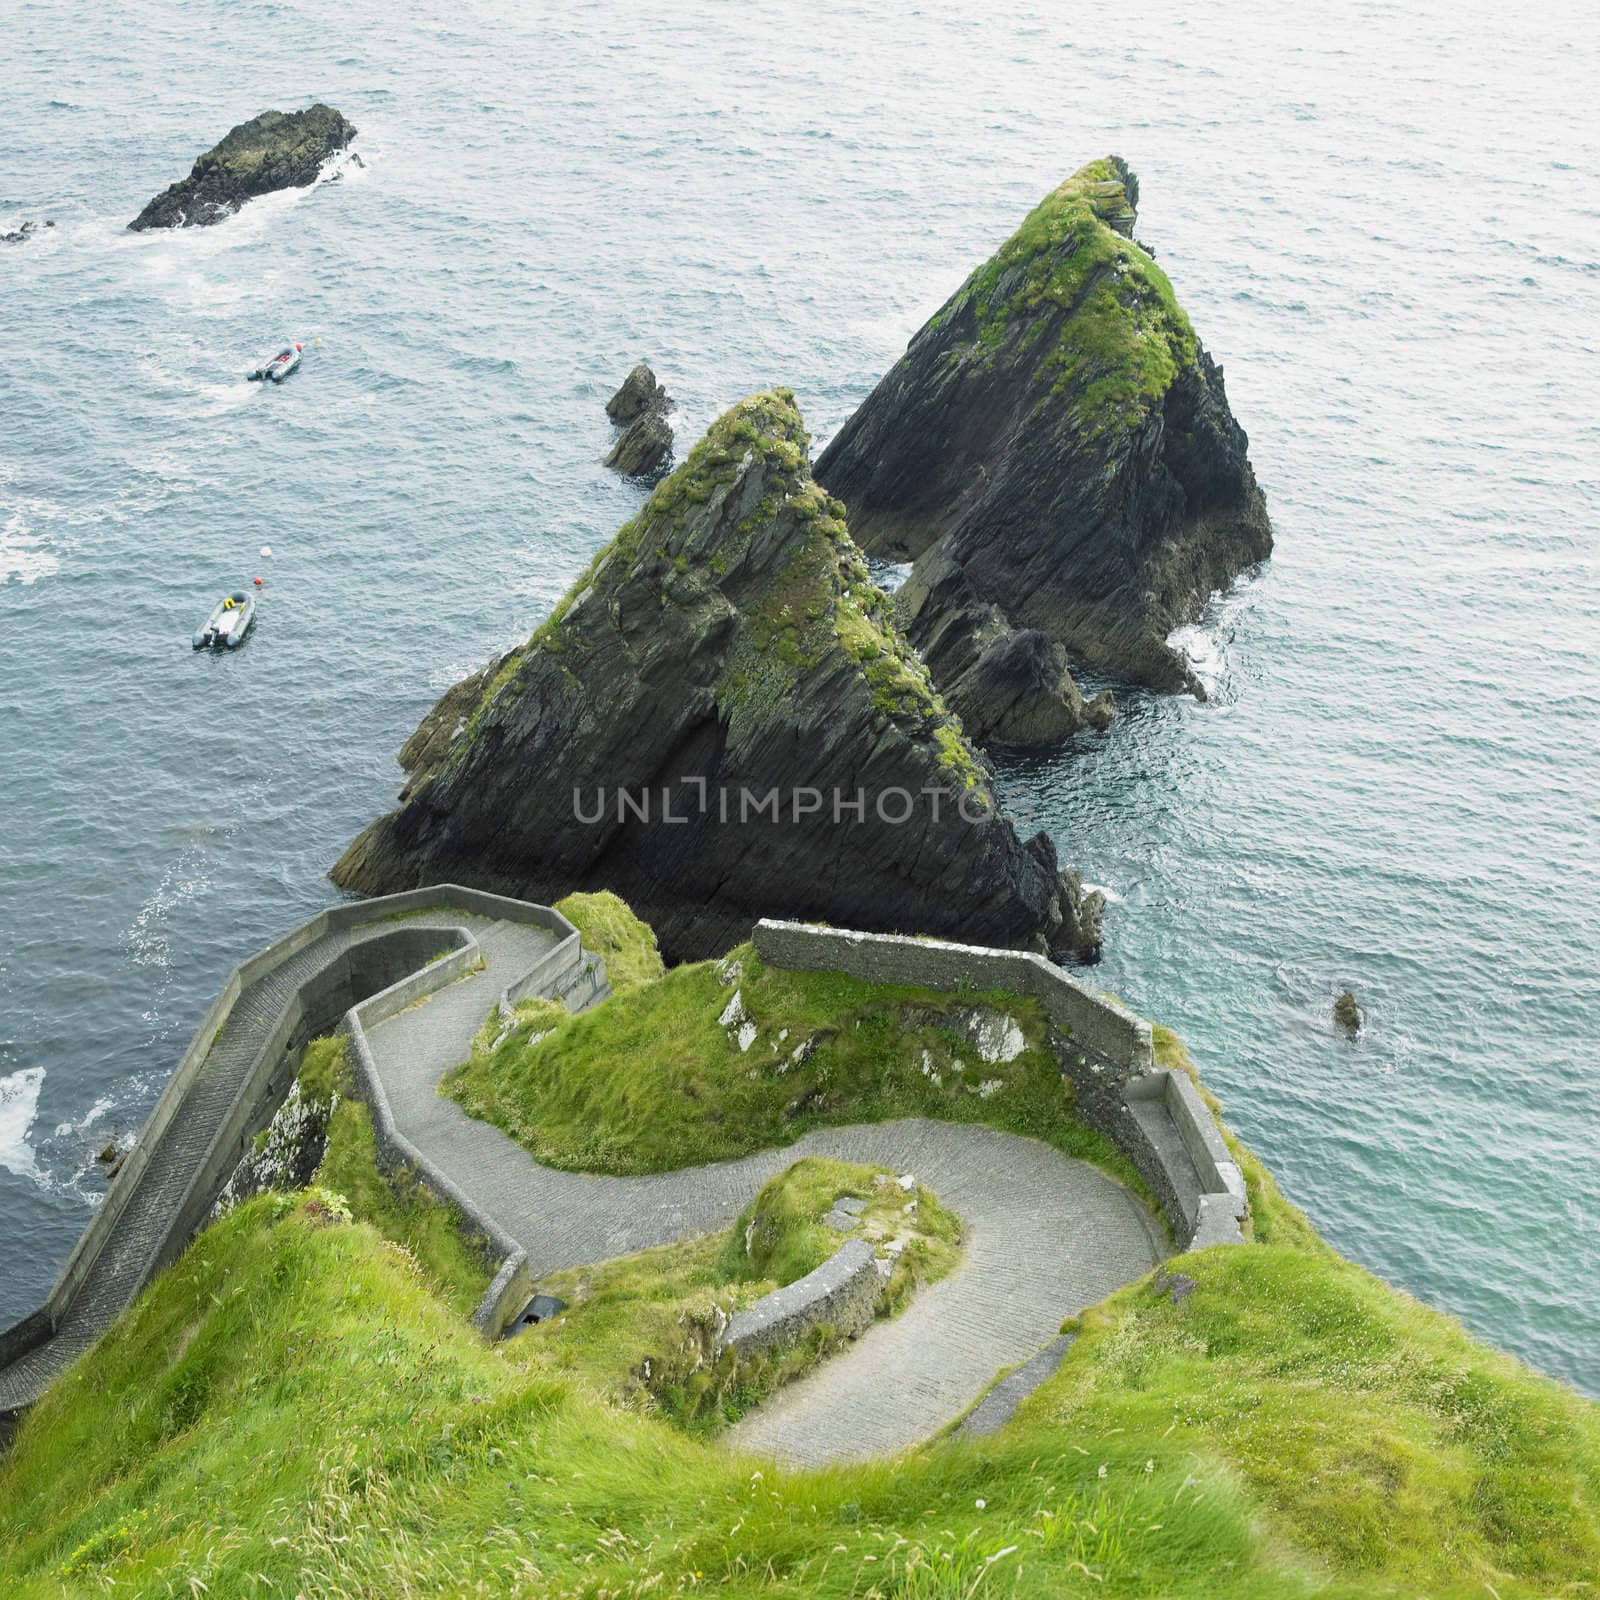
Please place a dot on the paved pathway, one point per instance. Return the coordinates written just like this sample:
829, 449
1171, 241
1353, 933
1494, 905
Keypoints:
124, 1264
1045, 1235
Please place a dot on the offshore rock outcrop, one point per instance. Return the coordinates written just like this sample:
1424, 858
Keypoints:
641, 405
1010, 686
1058, 433
726, 648
21, 235
277, 150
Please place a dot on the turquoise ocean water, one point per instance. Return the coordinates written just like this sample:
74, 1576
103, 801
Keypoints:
1384, 222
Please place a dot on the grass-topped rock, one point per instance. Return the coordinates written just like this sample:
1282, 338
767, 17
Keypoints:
722, 1058
1057, 439
649, 1331
276, 150
720, 721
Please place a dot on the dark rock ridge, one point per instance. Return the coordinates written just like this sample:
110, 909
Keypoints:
727, 643
642, 404
20, 234
277, 150
1010, 686
1059, 434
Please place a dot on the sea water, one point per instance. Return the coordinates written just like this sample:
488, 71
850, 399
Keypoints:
1383, 222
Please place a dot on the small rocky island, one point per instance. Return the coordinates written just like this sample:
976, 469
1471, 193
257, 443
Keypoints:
1056, 453
277, 150
640, 406
720, 722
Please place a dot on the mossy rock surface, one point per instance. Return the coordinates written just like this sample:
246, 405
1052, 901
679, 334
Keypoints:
721, 721
275, 150
1057, 431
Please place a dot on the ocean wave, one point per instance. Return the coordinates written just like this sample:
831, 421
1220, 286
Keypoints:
19, 1105
25, 555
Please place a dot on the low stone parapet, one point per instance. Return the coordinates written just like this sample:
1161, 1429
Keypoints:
841, 1294
1154, 1116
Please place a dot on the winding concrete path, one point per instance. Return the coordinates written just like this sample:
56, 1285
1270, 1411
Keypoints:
1045, 1235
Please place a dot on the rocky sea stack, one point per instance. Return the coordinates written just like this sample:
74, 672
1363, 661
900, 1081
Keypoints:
277, 150
1056, 452
720, 722
640, 406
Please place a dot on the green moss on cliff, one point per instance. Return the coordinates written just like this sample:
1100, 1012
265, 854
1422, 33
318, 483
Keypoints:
1124, 336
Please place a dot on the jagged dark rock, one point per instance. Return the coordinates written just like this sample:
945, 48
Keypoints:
1347, 1013
277, 150
23, 233
639, 390
1010, 687
645, 446
1058, 433
728, 642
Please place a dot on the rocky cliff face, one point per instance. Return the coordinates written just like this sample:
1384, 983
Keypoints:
277, 150
720, 722
1058, 434
644, 447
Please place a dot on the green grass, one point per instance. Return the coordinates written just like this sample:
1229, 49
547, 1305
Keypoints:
640, 1331
299, 1407
611, 930
454, 1262
292, 1409
1124, 337
657, 1082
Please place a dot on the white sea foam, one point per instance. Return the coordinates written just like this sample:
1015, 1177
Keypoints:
1112, 897
1203, 652
87, 1120
25, 555
149, 939
19, 1105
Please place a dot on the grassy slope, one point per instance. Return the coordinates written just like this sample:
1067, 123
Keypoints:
640, 1330
403, 1211
299, 1408
291, 1409
610, 930
659, 1083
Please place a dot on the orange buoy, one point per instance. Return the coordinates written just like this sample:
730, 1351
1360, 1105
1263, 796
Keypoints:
258, 583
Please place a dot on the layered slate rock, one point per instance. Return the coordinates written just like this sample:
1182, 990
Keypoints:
641, 405
1010, 686
1059, 434
277, 150
725, 655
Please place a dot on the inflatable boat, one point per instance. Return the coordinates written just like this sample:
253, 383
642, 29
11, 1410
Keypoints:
280, 366
227, 625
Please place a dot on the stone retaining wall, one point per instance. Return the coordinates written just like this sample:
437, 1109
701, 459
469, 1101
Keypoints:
841, 1294
1104, 1049
512, 1283
315, 1008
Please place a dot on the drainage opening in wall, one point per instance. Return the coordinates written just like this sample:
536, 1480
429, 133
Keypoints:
539, 1309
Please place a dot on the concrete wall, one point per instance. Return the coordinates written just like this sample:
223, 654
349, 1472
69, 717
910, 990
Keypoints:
1095, 1023
512, 1284
315, 1009
842, 1294
1104, 1049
